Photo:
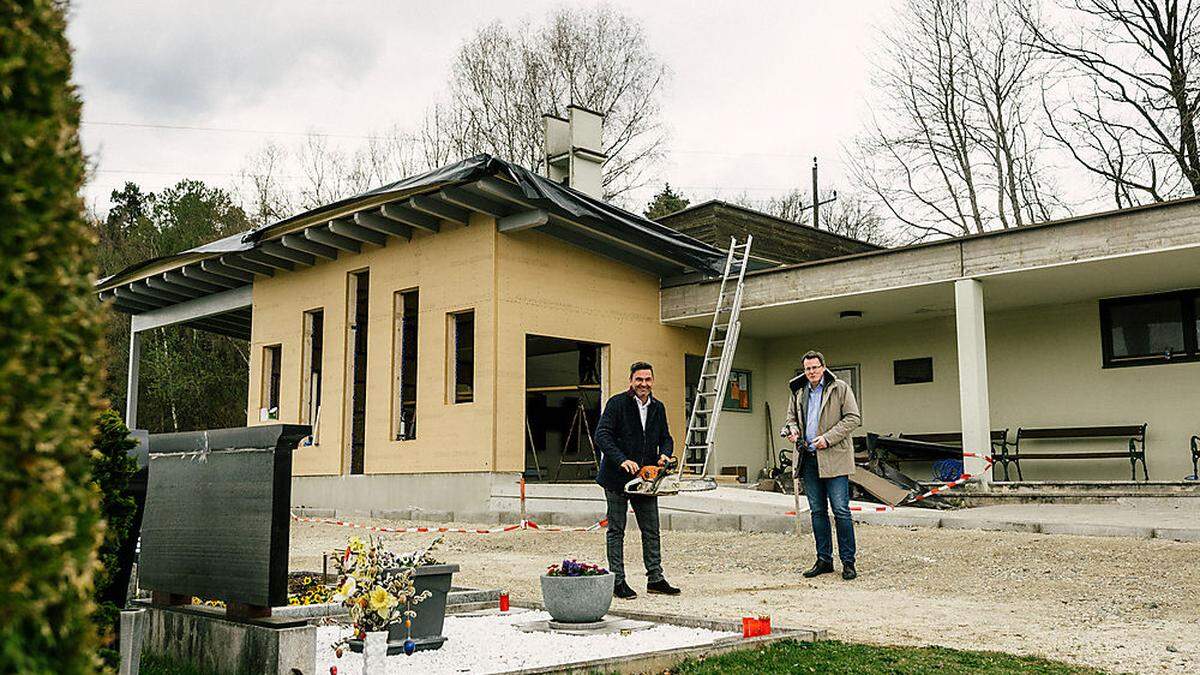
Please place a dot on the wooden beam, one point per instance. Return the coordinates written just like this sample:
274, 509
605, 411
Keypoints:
197, 272
441, 209
237, 262
299, 243
501, 189
180, 280
281, 250
322, 235
264, 258
159, 284
525, 220
348, 229
128, 293
410, 217
132, 302
384, 225
216, 267
475, 202
170, 297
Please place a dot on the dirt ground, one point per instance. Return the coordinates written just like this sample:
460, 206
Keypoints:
1122, 605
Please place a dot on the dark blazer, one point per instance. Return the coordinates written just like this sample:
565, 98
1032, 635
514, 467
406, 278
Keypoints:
619, 437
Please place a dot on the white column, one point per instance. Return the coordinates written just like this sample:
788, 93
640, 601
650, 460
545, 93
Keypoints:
972, 375
131, 385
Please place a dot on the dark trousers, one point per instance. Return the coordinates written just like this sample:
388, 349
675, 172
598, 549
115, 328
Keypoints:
824, 494
645, 509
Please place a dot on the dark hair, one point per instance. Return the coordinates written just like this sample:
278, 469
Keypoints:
810, 354
640, 365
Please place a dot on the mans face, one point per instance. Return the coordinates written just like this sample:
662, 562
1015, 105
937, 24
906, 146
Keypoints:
641, 381
814, 370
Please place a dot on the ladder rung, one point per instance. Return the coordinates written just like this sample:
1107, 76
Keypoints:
705, 428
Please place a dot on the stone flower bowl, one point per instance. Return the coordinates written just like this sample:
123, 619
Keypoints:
577, 599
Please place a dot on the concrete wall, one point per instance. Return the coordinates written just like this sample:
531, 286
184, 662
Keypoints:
1044, 369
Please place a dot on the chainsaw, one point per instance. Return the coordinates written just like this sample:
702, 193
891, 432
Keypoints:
662, 481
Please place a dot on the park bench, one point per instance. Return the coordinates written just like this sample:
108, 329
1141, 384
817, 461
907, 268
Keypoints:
954, 438
1135, 435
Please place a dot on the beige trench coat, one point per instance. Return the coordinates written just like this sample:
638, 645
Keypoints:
839, 416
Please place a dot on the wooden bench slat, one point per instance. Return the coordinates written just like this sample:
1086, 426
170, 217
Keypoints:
952, 436
1072, 455
1080, 432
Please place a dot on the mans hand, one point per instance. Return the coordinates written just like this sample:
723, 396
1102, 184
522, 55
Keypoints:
793, 437
820, 443
630, 466
662, 460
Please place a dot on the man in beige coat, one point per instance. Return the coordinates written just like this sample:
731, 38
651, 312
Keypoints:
822, 411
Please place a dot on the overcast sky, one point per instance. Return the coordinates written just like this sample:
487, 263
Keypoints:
757, 88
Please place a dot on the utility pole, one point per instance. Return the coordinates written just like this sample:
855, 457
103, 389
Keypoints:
816, 204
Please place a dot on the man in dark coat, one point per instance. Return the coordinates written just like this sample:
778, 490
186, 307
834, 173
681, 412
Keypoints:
633, 433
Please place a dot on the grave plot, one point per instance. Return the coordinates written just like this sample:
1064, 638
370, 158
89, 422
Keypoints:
524, 640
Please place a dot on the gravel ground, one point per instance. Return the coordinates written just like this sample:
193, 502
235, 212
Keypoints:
1122, 605
493, 645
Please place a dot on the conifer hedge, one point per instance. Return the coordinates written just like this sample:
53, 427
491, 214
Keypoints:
50, 328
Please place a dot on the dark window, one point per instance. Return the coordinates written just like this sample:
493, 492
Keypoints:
462, 326
271, 369
1150, 329
404, 363
310, 385
913, 371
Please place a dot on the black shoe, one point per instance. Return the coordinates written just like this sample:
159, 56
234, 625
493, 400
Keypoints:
822, 567
848, 571
623, 591
661, 587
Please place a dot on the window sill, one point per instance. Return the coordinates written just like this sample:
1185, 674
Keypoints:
1150, 361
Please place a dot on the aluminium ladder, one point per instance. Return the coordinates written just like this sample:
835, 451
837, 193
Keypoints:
718, 360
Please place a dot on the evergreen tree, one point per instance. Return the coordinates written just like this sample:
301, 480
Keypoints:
50, 333
665, 203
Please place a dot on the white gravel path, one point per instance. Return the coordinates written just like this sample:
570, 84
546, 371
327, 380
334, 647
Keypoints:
492, 644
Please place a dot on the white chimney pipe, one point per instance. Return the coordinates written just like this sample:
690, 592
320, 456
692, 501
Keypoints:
575, 150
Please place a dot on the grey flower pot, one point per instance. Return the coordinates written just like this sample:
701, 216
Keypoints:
577, 599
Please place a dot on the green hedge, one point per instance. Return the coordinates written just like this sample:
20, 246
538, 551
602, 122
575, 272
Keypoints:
112, 467
50, 328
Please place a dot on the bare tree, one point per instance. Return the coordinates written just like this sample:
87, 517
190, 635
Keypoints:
948, 151
850, 214
265, 198
1128, 115
503, 80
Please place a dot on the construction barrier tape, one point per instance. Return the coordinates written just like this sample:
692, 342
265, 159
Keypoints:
440, 529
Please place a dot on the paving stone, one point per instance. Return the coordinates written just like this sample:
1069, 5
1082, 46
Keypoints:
705, 522
540, 517
1178, 533
1096, 530
304, 512
393, 514
577, 518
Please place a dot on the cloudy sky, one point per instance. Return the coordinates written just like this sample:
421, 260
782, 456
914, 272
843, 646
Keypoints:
187, 89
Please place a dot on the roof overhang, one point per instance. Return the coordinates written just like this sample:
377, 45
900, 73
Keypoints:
516, 198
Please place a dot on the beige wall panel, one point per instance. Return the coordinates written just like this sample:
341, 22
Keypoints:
548, 287
454, 271
1044, 369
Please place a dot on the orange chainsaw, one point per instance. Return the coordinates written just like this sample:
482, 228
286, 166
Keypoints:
662, 481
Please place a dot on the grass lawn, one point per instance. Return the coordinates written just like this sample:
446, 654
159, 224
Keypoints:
840, 657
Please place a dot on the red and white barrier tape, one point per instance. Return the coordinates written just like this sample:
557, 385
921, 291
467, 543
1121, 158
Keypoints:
440, 529
989, 461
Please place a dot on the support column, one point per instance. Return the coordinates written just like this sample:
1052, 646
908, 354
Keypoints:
131, 385
972, 375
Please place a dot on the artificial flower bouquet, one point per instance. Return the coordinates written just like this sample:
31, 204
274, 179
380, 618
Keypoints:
574, 568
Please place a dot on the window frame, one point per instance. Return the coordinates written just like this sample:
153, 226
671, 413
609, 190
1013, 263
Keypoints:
271, 383
310, 408
1188, 301
452, 356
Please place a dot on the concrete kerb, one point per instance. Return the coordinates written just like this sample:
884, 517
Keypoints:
1096, 530
1178, 533
775, 524
900, 519
704, 522
306, 512
392, 514
478, 517
657, 662
994, 524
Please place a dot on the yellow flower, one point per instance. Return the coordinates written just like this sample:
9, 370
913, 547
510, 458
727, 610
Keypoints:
381, 602
345, 590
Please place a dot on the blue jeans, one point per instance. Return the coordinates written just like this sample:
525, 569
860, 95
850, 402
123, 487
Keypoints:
836, 492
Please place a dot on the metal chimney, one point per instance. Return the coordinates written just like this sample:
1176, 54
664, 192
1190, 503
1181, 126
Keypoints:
575, 150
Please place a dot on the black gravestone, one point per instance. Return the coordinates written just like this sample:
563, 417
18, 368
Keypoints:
217, 514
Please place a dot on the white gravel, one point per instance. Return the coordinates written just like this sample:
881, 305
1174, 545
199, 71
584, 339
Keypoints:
493, 644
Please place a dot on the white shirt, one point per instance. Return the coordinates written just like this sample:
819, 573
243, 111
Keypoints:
643, 408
